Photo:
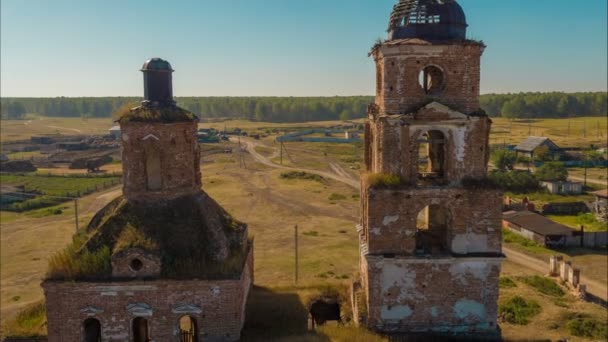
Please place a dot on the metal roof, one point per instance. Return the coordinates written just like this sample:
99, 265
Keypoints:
532, 143
157, 64
536, 223
428, 19
601, 193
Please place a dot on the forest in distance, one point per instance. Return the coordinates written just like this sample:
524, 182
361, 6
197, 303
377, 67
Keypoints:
303, 109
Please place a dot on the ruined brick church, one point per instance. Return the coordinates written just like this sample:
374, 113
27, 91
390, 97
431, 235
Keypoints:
430, 236
163, 262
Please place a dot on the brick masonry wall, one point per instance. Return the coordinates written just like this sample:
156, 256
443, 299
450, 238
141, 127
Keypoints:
439, 295
179, 153
394, 143
474, 218
399, 66
221, 304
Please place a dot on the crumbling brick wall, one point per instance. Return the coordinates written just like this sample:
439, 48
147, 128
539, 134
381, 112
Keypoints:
176, 146
399, 64
217, 306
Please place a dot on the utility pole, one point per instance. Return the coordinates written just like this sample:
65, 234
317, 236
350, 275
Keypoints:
296, 253
281, 152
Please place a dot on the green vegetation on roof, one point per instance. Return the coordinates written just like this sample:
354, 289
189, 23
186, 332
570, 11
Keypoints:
181, 231
155, 114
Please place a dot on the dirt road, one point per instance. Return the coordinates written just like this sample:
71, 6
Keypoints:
593, 287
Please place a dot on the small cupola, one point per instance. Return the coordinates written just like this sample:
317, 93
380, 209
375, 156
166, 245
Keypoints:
431, 20
158, 83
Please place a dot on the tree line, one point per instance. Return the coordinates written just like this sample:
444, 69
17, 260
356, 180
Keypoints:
301, 109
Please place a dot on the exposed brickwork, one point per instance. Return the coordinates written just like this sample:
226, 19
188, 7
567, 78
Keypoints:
217, 306
135, 263
175, 145
400, 63
431, 247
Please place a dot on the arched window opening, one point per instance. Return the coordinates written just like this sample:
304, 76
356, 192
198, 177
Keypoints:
432, 231
432, 80
92, 330
153, 174
188, 331
431, 156
140, 330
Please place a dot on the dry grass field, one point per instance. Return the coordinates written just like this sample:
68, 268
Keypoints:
324, 209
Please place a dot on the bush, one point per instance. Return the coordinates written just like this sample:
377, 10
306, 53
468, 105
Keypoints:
29, 323
584, 326
552, 171
544, 285
518, 311
384, 180
302, 175
506, 283
504, 160
73, 263
337, 197
510, 237
515, 181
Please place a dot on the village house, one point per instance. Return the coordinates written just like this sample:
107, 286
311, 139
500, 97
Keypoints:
563, 188
537, 228
531, 145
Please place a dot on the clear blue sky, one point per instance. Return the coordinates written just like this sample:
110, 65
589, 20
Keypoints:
279, 47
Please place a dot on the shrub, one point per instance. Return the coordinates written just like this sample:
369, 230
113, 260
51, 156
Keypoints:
552, 171
518, 311
585, 326
384, 180
515, 181
29, 323
302, 175
337, 197
506, 283
544, 285
73, 263
504, 159
311, 233
510, 237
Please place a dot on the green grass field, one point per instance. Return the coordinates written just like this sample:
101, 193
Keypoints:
272, 206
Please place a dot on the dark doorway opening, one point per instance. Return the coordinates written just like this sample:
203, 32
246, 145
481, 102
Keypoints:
188, 330
140, 330
92, 330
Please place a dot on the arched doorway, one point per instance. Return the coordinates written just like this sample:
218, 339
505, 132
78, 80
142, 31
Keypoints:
188, 330
431, 156
140, 330
92, 330
432, 231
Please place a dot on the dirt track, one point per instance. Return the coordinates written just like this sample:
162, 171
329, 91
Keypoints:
593, 287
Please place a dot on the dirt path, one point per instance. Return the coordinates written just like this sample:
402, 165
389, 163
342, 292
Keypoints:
66, 129
593, 287
589, 180
250, 146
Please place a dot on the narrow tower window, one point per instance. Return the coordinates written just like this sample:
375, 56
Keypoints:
92, 330
140, 330
432, 231
188, 331
431, 156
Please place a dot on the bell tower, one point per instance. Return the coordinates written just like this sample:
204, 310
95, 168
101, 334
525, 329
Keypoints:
430, 228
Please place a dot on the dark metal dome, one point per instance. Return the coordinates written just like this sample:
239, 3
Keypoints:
157, 64
428, 20
158, 83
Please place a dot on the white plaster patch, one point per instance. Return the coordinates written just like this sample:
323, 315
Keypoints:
469, 308
91, 310
110, 293
435, 311
140, 309
125, 137
390, 219
397, 312
470, 243
187, 309
402, 277
216, 291
478, 269
459, 134
375, 231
